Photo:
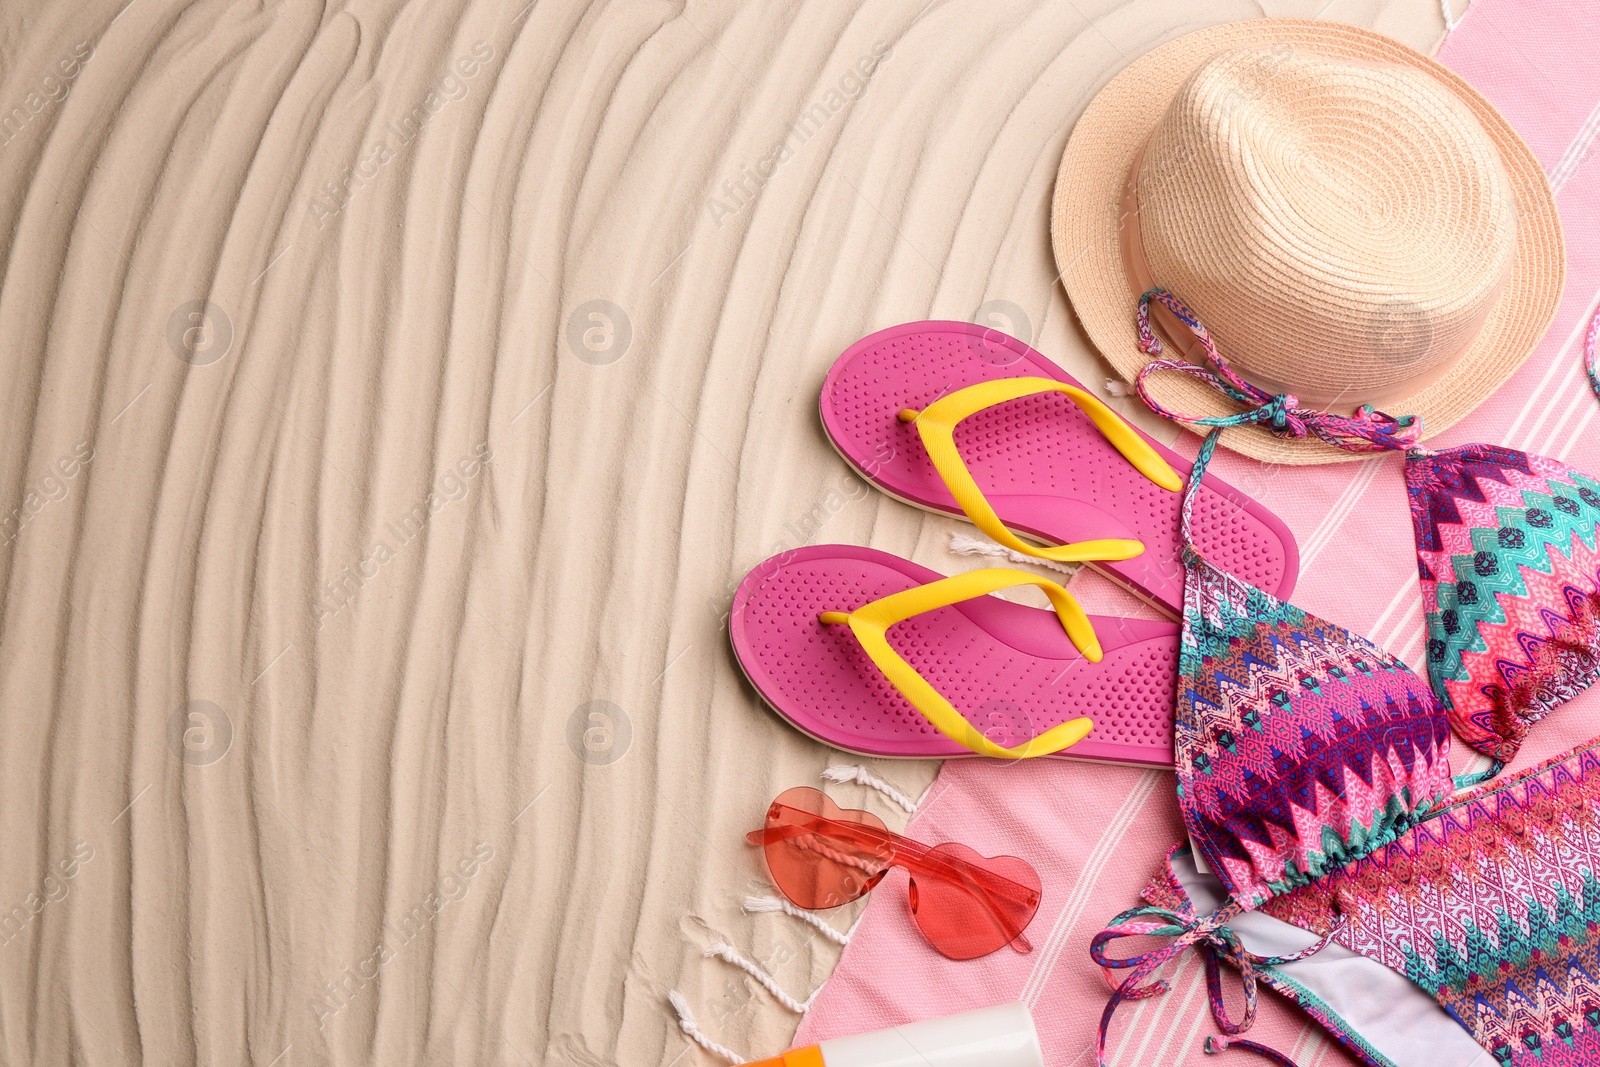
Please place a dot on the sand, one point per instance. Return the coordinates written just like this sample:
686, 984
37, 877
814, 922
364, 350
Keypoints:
394, 396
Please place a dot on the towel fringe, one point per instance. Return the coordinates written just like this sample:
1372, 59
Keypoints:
691, 1030
967, 545
811, 918
844, 772
728, 954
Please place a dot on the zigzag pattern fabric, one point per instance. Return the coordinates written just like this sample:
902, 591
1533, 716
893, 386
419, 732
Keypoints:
1312, 766
1300, 746
1493, 907
1511, 586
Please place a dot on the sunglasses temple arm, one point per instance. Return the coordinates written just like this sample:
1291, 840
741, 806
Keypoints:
771, 835
952, 869
852, 832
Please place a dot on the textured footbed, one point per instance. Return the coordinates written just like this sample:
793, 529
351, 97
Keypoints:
1007, 667
1046, 469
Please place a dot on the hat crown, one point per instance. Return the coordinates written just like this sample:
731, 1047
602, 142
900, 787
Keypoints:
1340, 225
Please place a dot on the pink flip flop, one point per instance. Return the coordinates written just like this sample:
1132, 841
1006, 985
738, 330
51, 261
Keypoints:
1007, 668
1046, 469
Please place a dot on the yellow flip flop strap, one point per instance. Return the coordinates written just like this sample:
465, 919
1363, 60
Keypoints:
870, 624
936, 424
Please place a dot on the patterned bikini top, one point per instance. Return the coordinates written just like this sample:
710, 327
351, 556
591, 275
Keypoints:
1510, 585
1302, 747
1506, 549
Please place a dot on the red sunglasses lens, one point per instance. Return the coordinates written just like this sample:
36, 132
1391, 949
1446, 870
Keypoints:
966, 913
815, 869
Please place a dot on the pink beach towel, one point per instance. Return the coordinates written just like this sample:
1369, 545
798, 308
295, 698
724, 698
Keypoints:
1096, 833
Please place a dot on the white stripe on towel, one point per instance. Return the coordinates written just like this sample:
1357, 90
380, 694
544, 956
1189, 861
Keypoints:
1083, 890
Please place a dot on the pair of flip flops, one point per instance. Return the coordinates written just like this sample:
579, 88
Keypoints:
929, 412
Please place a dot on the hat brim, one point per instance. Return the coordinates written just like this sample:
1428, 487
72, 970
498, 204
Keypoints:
1085, 219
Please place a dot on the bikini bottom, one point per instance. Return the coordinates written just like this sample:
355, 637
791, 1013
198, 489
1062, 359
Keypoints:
1472, 939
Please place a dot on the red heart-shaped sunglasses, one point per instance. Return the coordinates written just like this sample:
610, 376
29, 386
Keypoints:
966, 905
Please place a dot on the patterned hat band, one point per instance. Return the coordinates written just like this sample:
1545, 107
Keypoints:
1365, 430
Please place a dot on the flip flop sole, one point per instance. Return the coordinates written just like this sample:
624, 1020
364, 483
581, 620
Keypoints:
1049, 474
1007, 667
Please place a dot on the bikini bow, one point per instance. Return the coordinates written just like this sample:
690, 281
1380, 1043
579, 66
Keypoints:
1217, 944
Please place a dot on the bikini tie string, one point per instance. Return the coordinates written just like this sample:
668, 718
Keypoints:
1215, 1045
1217, 943
1364, 431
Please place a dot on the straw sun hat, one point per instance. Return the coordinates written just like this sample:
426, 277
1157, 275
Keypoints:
1352, 222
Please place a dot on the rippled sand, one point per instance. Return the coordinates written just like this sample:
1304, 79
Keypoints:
393, 397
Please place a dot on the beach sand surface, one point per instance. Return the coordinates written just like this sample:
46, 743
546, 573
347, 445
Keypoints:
394, 394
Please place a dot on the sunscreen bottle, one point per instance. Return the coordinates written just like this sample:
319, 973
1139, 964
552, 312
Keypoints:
1001, 1036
